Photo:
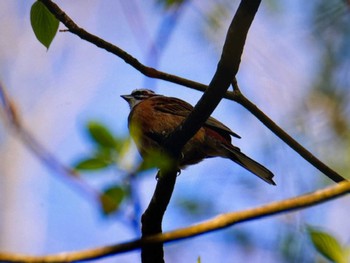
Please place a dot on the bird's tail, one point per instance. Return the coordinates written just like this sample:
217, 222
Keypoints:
254, 167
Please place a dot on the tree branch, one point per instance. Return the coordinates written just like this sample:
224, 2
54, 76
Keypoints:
220, 222
147, 71
270, 124
152, 218
153, 73
226, 71
14, 122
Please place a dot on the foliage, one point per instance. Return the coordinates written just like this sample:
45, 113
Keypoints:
111, 198
44, 24
328, 246
107, 148
107, 152
170, 3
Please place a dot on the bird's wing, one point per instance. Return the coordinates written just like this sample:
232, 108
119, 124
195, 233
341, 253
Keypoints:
182, 108
218, 126
172, 106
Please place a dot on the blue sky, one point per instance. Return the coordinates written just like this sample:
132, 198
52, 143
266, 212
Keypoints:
59, 90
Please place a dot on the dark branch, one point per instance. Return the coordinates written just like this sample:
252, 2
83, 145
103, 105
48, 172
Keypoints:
64, 18
153, 216
225, 73
331, 174
153, 73
99, 42
227, 69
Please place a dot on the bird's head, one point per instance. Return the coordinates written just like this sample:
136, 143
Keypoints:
137, 96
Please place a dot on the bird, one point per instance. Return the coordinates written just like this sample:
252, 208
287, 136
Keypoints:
153, 117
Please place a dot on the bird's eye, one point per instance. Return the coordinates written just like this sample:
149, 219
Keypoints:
142, 94
137, 93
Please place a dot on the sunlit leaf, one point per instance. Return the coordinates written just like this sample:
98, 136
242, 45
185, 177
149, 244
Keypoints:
346, 251
44, 23
171, 3
111, 199
327, 245
122, 145
92, 163
156, 159
101, 135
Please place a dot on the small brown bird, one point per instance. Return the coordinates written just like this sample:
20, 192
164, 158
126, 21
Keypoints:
153, 117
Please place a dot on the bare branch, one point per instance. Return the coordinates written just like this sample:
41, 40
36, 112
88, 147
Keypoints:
241, 99
153, 73
13, 119
220, 222
226, 71
147, 71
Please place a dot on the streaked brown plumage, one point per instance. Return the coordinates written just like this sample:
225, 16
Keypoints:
154, 116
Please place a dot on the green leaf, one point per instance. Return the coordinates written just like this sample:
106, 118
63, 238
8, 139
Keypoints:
156, 159
327, 245
171, 3
122, 145
93, 163
111, 199
101, 135
44, 23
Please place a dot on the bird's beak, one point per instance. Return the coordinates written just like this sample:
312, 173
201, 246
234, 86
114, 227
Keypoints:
126, 97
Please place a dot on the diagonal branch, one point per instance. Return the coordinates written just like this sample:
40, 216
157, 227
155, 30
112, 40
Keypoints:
12, 118
217, 223
226, 71
99, 42
220, 222
153, 73
279, 132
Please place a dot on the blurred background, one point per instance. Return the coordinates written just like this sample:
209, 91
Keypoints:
295, 68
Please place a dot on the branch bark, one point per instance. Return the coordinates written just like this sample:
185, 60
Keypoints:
226, 71
270, 124
99, 42
153, 73
13, 120
220, 222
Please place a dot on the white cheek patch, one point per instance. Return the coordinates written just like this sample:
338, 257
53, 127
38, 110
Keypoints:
133, 103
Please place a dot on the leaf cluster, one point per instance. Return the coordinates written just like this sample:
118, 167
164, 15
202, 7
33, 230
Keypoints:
106, 152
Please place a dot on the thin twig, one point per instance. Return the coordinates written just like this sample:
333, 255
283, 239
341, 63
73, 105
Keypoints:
226, 70
153, 73
220, 222
14, 122
247, 104
147, 71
